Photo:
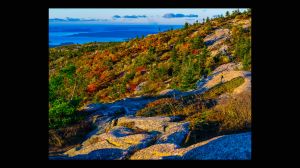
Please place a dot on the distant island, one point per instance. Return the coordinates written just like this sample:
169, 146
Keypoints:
61, 44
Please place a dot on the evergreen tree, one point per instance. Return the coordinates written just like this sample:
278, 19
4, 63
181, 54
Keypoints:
186, 25
197, 43
187, 75
227, 13
207, 19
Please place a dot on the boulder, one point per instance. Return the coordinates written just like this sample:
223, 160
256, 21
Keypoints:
227, 76
101, 154
227, 67
175, 133
140, 86
227, 147
157, 152
102, 123
217, 35
169, 92
157, 123
121, 138
94, 107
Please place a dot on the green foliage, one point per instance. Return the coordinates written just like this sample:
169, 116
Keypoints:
186, 25
223, 88
197, 43
151, 50
62, 113
227, 13
129, 76
207, 19
187, 76
242, 46
54, 84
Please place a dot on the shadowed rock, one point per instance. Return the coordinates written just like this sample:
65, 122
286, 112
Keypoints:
101, 154
228, 147
175, 133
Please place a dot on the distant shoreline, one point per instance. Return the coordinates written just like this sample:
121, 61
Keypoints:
61, 44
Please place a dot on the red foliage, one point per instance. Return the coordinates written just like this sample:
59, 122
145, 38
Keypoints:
133, 87
140, 69
91, 88
103, 75
195, 52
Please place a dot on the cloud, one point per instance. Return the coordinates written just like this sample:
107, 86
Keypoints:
68, 19
178, 15
129, 16
116, 16
73, 19
56, 19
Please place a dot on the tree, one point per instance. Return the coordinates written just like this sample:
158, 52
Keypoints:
207, 19
227, 13
202, 59
186, 25
187, 75
151, 50
197, 43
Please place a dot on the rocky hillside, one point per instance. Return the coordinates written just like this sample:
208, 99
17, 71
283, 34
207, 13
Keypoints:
122, 133
179, 94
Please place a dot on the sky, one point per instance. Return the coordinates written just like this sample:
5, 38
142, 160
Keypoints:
172, 16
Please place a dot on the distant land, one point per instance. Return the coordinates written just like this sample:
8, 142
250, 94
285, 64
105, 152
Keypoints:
79, 33
61, 44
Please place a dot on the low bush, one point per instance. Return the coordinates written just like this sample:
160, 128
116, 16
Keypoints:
67, 136
233, 114
63, 113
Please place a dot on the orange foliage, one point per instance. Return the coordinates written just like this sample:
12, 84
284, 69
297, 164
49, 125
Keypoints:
141, 69
113, 58
91, 88
103, 76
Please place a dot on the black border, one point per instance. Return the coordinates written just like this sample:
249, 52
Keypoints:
150, 3
38, 60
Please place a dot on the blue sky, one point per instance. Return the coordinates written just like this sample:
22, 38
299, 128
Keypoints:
134, 16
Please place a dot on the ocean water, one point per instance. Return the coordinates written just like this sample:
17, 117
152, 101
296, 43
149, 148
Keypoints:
60, 33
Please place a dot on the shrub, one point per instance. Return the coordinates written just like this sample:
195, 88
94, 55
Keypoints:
164, 106
197, 43
233, 114
62, 113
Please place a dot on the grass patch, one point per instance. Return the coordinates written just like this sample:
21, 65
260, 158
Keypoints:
160, 107
233, 115
68, 136
128, 124
207, 118
189, 105
221, 88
